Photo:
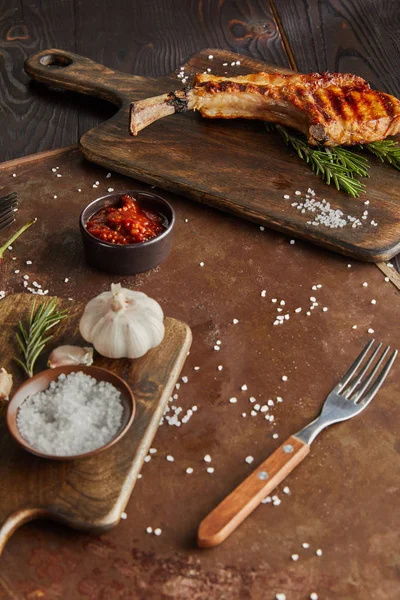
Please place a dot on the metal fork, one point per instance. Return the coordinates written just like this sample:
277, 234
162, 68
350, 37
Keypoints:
8, 208
351, 395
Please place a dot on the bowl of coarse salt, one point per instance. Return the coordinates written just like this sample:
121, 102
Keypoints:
71, 412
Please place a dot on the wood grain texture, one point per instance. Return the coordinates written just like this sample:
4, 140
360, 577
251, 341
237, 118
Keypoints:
235, 508
355, 36
146, 37
231, 165
90, 493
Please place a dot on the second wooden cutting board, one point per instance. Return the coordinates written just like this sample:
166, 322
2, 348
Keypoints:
235, 166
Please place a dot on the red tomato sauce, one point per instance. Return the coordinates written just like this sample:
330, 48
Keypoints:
125, 223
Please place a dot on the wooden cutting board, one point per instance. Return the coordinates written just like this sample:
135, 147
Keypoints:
88, 494
235, 166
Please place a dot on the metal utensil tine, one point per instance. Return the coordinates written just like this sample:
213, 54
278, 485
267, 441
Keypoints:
371, 376
8, 199
360, 375
379, 381
346, 378
7, 222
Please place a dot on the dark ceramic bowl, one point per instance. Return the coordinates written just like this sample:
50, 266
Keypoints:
130, 258
41, 382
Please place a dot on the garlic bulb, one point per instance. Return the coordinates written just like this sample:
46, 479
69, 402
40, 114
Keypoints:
70, 355
122, 323
6, 382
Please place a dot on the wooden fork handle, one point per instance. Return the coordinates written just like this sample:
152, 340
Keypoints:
233, 510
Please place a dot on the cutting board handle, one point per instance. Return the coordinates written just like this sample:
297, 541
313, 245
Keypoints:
79, 74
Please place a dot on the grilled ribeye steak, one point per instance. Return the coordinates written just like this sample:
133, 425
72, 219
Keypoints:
329, 108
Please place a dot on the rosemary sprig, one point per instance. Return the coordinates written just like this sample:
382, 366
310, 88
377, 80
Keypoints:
386, 150
335, 165
33, 340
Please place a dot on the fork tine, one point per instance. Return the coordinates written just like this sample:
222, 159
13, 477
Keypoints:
7, 222
8, 209
9, 198
360, 375
375, 388
346, 378
371, 376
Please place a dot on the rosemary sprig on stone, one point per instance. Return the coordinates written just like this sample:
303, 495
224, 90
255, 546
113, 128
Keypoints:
334, 164
33, 339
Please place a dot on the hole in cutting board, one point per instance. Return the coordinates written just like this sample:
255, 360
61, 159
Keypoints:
55, 60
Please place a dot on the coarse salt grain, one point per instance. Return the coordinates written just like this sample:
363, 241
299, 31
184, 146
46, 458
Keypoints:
370, 330
295, 557
220, 367
244, 388
207, 458
284, 378
147, 458
305, 545
124, 515
387, 279
313, 596
292, 242
263, 293
60, 420
354, 327
189, 470
318, 552
262, 228
158, 531
210, 469
373, 301
170, 458
185, 379
152, 451
275, 437
210, 56
216, 347
233, 400
201, 264
286, 490
235, 321
365, 284
249, 459
280, 596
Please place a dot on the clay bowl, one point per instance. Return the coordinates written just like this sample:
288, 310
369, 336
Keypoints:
41, 382
128, 259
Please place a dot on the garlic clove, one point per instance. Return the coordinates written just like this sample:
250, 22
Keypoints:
70, 355
6, 382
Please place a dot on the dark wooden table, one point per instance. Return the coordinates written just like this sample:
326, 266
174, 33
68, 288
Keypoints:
153, 37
